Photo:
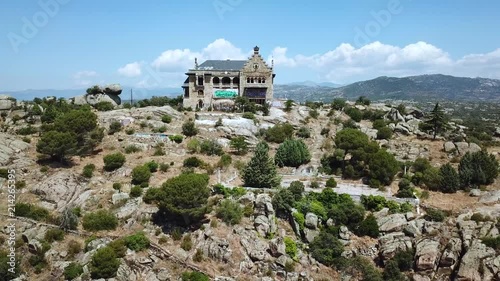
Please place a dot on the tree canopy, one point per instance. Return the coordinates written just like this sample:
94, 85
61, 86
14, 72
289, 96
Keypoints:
261, 171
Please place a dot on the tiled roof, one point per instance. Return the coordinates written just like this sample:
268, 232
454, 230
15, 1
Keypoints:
222, 65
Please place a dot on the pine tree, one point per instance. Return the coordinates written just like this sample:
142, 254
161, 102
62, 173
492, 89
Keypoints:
437, 121
292, 153
449, 181
479, 168
261, 171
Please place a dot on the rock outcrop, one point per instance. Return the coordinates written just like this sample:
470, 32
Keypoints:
7, 102
10, 148
97, 94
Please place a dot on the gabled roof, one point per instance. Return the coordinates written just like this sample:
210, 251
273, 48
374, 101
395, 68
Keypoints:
222, 65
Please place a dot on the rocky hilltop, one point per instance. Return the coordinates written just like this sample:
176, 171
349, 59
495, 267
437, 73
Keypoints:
87, 218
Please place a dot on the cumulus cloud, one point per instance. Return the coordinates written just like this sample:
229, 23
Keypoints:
182, 59
342, 64
133, 69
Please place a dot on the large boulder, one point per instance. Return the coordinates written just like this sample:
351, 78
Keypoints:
427, 254
471, 263
311, 221
10, 148
113, 89
392, 223
215, 248
277, 247
60, 190
394, 115
391, 243
265, 221
7, 102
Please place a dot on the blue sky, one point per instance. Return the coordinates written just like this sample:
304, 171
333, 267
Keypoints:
68, 44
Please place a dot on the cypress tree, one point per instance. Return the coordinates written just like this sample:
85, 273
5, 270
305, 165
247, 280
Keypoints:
449, 181
261, 171
292, 153
437, 120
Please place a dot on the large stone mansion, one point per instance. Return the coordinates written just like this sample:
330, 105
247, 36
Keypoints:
216, 83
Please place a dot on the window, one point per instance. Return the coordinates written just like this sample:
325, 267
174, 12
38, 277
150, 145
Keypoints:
200, 80
216, 80
200, 93
226, 80
251, 80
263, 80
248, 80
260, 81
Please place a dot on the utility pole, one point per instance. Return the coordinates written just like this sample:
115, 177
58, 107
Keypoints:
131, 97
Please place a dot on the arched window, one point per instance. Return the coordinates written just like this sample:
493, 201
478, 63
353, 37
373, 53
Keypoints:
226, 80
251, 80
263, 80
260, 81
248, 80
200, 80
216, 80
200, 93
236, 80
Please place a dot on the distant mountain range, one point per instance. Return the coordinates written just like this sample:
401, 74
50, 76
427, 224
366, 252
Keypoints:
418, 88
433, 87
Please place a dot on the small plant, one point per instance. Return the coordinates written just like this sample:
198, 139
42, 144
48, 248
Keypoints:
100, 220
290, 247
132, 149
230, 212
114, 127
176, 138
214, 223
135, 191
72, 271
141, 174
26, 140
117, 186
166, 118
153, 166
113, 161
189, 129
54, 234
192, 162
137, 242
198, 256
74, 247
314, 184
161, 129
435, 215
164, 167
162, 240
331, 182
303, 132
88, 170
130, 131
218, 123
20, 184
248, 115
187, 243
176, 234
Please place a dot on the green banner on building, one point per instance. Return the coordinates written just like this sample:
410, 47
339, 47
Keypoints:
226, 94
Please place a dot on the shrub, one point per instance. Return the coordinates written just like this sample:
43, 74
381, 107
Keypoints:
161, 129
166, 118
88, 170
290, 247
104, 106
194, 276
104, 263
114, 127
211, 147
326, 248
29, 130
164, 167
248, 115
229, 212
20, 184
31, 211
54, 234
100, 220
152, 166
130, 131
296, 188
192, 162
189, 129
314, 184
113, 161
493, 242
292, 153
368, 227
354, 113
313, 113
479, 168
225, 160
117, 186
137, 242
331, 182
392, 272
300, 219
404, 260
279, 133
303, 132
379, 123
187, 243
135, 191
141, 174
325, 131
218, 123
239, 144
176, 138
74, 247
261, 171
198, 256
132, 149
72, 271
449, 180
435, 215
384, 133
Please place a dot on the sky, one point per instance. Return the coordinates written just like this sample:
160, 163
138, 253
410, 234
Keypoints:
73, 44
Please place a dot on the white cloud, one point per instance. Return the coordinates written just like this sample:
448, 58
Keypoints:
182, 59
342, 64
133, 69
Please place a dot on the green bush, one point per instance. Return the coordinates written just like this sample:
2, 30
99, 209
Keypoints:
239, 144
130, 131
176, 138
88, 170
187, 242
100, 220
164, 167
54, 234
31, 211
384, 133
72, 271
161, 129
114, 127
479, 168
119, 248
261, 170
331, 182
392, 272
449, 180
166, 118
229, 212
368, 227
193, 145
379, 123
303, 132
354, 113
192, 162
493, 242
141, 174
104, 263
132, 149
292, 153
104, 106
117, 186
136, 191
434, 215
194, 276
326, 248
296, 188
404, 260
290, 247
189, 129
300, 219
279, 133
224, 161
137, 242
29, 130
211, 147
152, 166
113, 161
248, 115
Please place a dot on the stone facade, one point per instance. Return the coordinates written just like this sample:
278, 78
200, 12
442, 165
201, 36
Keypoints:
216, 83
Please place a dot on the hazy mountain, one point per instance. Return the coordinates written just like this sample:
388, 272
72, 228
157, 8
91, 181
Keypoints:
315, 84
419, 88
